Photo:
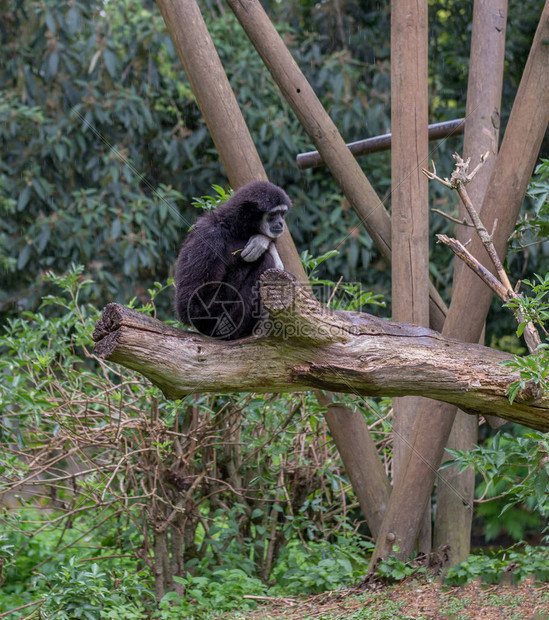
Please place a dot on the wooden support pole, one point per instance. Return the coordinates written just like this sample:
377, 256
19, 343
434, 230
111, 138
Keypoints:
409, 199
376, 144
455, 491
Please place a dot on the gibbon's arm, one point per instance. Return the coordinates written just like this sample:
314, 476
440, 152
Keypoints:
255, 248
203, 259
276, 256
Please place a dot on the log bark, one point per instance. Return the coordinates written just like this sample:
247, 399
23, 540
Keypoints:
471, 298
311, 347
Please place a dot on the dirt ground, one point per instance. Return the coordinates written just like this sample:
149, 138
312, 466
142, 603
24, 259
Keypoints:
414, 600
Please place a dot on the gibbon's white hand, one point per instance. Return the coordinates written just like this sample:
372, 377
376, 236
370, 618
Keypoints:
255, 248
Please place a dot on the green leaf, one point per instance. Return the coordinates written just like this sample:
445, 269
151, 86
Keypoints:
60, 151
115, 228
53, 64
39, 189
24, 197
110, 62
50, 23
24, 256
73, 20
42, 240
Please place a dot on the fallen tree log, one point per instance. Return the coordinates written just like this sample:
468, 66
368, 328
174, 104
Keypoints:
311, 347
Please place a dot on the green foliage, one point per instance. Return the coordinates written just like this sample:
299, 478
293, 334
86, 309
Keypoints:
533, 227
515, 471
311, 263
26, 548
525, 562
533, 367
535, 309
302, 567
221, 590
312, 567
207, 203
392, 569
79, 154
89, 593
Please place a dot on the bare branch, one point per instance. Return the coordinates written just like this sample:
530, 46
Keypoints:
455, 220
461, 252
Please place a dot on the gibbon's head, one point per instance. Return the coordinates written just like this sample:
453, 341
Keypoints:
264, 206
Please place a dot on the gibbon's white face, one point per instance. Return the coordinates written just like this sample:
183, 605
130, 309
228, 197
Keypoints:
272, 223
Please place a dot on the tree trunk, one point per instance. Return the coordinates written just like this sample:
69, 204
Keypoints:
455, 490
471, 299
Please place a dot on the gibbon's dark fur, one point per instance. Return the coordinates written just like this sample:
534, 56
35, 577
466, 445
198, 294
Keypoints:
211, 254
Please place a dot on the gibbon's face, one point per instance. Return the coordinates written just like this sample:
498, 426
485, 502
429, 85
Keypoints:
272, 223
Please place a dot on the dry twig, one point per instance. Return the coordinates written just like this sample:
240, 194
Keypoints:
502, 286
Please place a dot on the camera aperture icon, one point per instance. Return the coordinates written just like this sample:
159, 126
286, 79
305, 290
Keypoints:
216, 309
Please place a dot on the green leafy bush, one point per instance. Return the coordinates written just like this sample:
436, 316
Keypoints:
221, 590
89, 593
392, 569
313, 567
514, 492
524, 562
109, 459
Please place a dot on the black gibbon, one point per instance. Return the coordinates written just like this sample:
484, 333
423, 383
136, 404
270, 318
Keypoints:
218, 268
